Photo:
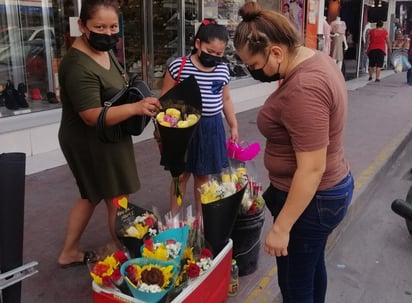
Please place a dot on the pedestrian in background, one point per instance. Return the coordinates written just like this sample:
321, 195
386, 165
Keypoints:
409, 72
378, 40
207, 152
88, 77
303, 121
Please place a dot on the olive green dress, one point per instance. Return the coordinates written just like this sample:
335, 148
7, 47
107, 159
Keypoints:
102, 170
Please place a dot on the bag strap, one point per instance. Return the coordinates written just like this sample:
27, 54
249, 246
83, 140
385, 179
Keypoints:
118, 66
182, 64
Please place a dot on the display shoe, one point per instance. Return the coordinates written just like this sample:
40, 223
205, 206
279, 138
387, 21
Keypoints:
21, 95
10, 96
51, 98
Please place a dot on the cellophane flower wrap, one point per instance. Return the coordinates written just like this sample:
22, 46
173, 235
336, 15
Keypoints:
149, 280
133, 225
105, 269
252, 202
175, 125
168, 245
221, 198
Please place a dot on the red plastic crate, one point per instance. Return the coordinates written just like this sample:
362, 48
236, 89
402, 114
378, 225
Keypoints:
211, 287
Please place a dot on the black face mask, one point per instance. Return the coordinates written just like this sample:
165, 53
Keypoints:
209, 60
102, 42
259, 74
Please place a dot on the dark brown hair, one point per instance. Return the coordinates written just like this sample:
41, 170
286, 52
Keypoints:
89, 8
210, 30
259, 28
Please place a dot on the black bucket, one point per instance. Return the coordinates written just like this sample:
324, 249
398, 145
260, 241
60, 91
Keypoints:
246, 241
12, 189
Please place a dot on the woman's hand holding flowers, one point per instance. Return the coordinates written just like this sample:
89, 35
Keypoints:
149, 106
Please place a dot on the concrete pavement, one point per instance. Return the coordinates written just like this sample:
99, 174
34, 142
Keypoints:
379, 124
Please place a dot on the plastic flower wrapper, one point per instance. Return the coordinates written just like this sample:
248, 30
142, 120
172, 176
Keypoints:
182, 109
105, 271
167, 245
192, 266
252, 202
242, 151
133, 225
149, 280
221, 198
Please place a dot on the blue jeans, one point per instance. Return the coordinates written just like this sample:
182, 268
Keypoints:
302, 273
409, 72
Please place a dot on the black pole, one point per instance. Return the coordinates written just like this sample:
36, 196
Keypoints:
12, 188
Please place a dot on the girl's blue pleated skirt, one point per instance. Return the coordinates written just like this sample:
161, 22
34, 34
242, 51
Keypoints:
207, 152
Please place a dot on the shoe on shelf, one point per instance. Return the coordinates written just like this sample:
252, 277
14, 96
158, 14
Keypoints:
377, 80
370, 78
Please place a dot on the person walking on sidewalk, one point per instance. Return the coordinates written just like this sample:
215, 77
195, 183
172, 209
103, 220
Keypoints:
378, 39
87, 77
207, 152
303, 121
409, 71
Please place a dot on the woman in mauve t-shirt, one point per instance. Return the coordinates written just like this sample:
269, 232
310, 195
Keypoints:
303, 121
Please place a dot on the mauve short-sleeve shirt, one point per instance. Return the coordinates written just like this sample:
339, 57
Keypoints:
306, 113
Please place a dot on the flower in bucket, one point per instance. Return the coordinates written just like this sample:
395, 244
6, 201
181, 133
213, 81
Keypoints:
221, 199
252, 202
107, 271
228, 184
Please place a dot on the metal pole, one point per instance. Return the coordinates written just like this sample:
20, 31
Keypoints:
360, 40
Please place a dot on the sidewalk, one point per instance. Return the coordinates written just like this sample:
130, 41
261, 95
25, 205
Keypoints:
379, 124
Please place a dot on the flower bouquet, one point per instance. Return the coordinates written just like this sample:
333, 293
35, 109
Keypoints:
106, 271
182, 109
133, 225
149, 280
168, 245
221, 198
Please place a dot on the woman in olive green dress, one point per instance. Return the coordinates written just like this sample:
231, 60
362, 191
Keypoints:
87, 77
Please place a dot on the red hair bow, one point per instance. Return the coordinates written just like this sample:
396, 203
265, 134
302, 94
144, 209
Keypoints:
207, 22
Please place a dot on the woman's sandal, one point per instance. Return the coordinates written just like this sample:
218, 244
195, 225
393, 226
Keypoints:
89, 256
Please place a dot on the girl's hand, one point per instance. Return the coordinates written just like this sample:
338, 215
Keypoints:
234, 135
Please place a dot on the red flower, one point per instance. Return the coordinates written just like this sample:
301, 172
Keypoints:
120, 256
253, 209
148, 243
239, 186
107, 281
99, 269
116, 275
206, 253
193, 270
150, 221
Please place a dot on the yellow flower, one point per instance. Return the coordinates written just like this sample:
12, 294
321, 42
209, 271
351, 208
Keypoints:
188, 254
173, 112
160, 253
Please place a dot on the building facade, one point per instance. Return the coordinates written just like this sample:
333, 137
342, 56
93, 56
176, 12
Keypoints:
35, 35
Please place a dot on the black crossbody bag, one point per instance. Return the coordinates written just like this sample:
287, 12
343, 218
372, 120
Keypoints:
134, 91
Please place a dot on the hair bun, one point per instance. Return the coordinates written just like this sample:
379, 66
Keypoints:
250, 11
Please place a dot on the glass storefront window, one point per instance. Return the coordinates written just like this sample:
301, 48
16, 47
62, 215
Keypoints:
226, 13
35, 35
31, 45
